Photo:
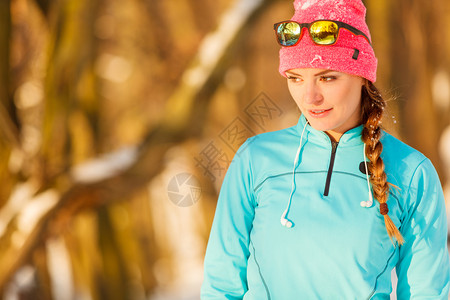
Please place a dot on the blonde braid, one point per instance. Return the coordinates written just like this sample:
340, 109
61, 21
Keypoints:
372, 112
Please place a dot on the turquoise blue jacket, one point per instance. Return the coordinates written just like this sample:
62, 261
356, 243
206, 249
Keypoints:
336, 248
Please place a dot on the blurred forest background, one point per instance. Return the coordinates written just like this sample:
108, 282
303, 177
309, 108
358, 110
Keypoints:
118, 120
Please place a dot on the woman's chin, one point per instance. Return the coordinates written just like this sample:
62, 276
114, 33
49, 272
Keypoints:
321, 126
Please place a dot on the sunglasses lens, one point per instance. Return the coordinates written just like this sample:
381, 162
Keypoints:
288, 33
324, 32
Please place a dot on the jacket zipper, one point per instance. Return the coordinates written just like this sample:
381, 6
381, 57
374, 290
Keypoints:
334, 146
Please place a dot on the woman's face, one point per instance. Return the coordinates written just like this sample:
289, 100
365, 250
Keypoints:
330, 100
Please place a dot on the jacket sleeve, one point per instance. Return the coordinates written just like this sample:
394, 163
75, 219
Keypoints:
225, 265
423, 269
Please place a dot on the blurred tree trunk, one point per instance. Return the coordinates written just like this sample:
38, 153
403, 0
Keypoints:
113, 283
161, 33
206, 9
44, 5
9, 131
72, 99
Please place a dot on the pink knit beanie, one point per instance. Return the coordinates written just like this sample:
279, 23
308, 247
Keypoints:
350, 54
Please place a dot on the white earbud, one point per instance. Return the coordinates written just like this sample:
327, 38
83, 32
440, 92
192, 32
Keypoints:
285, 222
369, 202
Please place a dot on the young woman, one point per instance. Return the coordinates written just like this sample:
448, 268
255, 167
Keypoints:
328, 208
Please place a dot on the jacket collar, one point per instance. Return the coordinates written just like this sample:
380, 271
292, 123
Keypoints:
351, 137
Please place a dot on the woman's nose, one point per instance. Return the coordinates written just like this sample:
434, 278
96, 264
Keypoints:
312, 94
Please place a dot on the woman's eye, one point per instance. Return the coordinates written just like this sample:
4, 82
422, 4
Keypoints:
294, 79
328, 78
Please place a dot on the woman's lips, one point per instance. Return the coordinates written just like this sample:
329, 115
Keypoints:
319, 113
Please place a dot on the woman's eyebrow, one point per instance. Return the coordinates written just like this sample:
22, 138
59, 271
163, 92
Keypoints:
324, 72
292, 73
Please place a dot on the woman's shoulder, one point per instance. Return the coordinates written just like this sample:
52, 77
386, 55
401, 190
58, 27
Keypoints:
270, 152
402, 161
396, 149
273, 139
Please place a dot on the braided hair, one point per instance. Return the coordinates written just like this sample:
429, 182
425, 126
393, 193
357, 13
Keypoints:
373, 106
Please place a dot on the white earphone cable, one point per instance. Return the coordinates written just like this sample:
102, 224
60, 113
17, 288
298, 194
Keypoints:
370, 201
284, 221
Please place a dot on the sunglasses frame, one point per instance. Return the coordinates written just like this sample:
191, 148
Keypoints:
340, 25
